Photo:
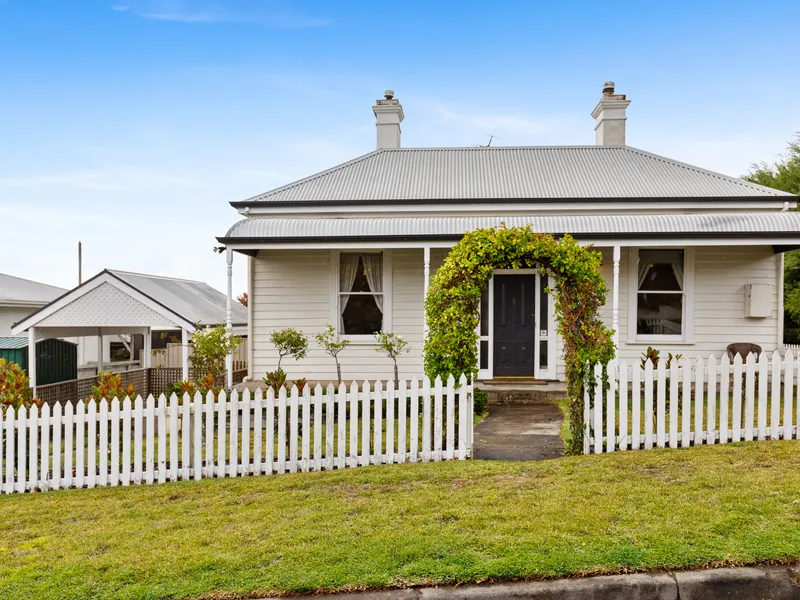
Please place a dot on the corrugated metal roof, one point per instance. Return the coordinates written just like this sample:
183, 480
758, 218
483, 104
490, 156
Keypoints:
565, 172
15, 290
195, 301
13, 343
274, 230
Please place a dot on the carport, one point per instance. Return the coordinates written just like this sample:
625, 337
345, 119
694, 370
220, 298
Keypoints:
104, 305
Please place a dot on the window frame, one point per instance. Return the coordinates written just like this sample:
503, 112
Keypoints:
334, 283
687, 322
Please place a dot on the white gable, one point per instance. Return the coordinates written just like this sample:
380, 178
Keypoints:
106, 306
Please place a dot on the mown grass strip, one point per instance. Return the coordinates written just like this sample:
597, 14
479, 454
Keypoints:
406, 525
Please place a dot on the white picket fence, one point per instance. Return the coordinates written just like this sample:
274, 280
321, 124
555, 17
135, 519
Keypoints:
700, 401
132, 442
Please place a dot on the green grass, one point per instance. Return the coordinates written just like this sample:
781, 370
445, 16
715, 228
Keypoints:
408, 524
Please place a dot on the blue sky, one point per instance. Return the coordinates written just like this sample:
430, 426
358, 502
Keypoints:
130, 124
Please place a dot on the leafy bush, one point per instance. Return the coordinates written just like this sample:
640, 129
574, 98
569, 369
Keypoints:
211, 346
328, 341
289, 342
392, 345
275, 379
110, 386
479, 400
15, 388
204, 385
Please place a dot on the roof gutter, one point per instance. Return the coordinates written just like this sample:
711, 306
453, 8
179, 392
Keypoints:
704, 235
426, 201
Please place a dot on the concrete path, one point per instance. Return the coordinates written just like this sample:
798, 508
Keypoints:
519, 432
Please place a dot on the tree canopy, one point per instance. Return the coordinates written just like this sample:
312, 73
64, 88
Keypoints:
784, 175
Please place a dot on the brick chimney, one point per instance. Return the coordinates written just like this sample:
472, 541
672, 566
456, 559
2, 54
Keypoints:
609, 115
388, 116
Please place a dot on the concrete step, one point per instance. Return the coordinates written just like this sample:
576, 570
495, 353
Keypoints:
509, 393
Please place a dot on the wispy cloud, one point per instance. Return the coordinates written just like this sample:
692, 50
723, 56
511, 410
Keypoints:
110, 179
278, 15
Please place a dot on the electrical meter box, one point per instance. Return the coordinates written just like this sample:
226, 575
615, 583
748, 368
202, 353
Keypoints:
758, 299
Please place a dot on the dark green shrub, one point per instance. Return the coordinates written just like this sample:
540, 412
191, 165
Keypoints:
480, 399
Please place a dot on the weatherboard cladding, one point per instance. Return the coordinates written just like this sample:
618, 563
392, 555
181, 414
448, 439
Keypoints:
271, 229
564, 172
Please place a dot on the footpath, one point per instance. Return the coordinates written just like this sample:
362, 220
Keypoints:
744, 583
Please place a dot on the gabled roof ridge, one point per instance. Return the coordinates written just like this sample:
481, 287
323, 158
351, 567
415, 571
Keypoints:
148, 276
293, 184
718, 175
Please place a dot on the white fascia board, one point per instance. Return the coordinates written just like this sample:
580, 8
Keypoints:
90, 285
21, 304
76, 332
515, 208
638, 242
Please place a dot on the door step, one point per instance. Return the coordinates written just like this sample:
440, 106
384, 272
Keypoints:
513, 381
530, 391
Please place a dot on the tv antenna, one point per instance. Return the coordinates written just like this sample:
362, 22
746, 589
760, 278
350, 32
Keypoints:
491, 137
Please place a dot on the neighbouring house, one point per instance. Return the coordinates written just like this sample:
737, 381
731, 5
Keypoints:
693, 258
135, 309
20, 297
56, 359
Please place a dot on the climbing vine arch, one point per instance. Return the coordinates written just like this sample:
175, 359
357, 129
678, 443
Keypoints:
453, 300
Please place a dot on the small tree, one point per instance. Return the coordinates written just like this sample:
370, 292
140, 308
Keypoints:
289, 342
391, 345
328, 341
211, 346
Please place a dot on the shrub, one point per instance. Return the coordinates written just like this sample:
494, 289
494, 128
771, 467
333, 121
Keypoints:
480, 399
15, 388
275, 379
211, 346
110, 386
328, 341
392, 345
289, 342
204, 385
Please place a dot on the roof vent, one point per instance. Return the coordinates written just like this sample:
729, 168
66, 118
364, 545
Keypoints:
388, 94
608, 88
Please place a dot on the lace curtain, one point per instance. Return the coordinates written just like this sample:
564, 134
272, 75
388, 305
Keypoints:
373, 269
348, 268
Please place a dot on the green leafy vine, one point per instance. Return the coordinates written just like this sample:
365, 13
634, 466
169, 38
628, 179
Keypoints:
453, 301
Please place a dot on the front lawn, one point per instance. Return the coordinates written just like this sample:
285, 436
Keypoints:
408, 524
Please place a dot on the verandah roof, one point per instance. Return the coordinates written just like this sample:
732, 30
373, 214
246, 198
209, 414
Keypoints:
784, 227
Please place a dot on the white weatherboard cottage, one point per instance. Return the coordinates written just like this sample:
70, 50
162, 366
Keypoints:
693, 259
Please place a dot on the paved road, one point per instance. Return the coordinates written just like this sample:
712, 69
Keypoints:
519, 432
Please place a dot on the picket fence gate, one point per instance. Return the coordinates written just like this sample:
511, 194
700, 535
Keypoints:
693, 402
90, 444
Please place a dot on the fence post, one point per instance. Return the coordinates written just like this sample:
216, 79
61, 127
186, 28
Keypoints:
598, 408
587, 424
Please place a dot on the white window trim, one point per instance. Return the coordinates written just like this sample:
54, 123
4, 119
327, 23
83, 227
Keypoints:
362, 340
688, 304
